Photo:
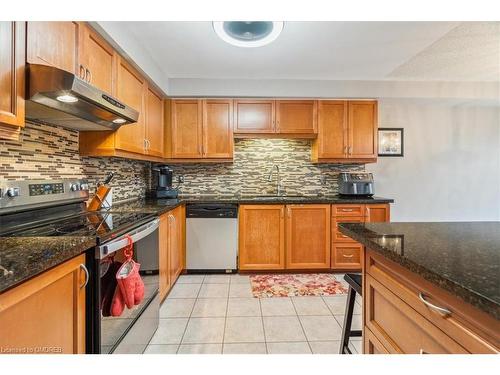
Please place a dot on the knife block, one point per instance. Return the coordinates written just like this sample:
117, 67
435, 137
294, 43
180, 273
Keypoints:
98, 199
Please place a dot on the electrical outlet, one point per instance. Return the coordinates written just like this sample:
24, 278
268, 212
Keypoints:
180, 179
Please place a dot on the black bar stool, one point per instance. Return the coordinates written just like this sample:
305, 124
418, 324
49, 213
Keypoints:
354, 280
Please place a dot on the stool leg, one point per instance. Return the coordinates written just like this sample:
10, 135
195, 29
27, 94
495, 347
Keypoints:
346, 329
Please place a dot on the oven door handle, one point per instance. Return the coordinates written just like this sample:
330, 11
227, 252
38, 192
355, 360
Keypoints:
136, 235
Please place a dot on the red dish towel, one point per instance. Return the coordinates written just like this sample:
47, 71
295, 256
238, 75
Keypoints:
130, 283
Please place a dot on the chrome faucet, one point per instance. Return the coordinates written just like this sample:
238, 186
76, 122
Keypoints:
278, 178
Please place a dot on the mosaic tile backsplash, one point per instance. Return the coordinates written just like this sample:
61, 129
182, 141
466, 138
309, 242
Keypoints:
253, 159
48, 152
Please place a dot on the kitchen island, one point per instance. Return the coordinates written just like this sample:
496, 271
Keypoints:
430, 287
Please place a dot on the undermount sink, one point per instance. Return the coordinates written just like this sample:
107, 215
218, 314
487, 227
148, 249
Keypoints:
275, 197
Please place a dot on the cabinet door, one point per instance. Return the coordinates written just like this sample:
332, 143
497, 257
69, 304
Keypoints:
164, 268
296, 116
187, 129
130, 88
218, 129
53, 43
97, 60
332, 130
254, 116
346, 255
308, 236
12, 36
154, 123
261, 237
362, 128
377, 213
47, 311
176, 244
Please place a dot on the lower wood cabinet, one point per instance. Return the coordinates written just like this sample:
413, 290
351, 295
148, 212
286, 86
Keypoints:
396, 320
47, 313
261, 237
172, 245
308, 236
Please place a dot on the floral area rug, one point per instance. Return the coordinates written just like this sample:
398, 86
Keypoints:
289, 285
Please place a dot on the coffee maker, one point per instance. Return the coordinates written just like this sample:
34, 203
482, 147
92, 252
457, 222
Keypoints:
164, 189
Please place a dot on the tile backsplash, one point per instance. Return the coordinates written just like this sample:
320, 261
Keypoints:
48, 152
253, 159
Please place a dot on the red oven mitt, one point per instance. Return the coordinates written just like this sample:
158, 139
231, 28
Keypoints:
130, 283
117, 303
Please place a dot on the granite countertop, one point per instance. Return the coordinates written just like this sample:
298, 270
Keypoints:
22, 258
462, 258
160, 206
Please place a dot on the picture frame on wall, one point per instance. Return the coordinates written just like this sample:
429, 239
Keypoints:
391, 142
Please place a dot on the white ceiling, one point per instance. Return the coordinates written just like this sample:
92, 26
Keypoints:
304, 50
321, 59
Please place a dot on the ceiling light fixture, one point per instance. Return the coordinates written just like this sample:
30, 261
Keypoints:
67, 98
248, 33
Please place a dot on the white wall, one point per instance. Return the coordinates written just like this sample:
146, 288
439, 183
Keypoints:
451, 167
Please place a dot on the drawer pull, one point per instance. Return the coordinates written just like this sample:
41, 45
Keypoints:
346, 209
440, 310
347, 256
422, 351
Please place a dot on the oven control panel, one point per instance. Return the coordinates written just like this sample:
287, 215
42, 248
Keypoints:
44, 189
23, 194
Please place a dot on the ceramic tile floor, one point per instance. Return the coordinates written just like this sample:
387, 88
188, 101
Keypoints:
217, 314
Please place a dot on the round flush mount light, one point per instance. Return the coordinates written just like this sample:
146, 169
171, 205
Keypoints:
248, 33
119, 121
67, 98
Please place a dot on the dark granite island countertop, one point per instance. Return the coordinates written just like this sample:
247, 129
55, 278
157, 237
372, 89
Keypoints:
462, 258
22, 258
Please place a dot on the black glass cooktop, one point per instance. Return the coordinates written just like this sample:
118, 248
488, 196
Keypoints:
99, 224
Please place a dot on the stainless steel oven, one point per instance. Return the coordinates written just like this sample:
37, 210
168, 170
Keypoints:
132, 330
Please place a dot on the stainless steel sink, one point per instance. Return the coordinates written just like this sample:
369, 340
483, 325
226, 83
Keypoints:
274, 197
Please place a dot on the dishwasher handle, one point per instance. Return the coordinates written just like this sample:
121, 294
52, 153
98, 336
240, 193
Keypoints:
213, 211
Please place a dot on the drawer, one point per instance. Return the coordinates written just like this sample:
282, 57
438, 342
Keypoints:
372, 345
399, 327
348, 210
337, 236
474, 330
347, 256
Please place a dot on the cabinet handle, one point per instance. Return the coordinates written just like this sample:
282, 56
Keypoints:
82, 72
345, 150
422, 351
87, 276
440, 310
347, 256
346, 209
350, 150
88, 75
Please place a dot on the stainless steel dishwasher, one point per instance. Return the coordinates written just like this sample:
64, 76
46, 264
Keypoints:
211, 237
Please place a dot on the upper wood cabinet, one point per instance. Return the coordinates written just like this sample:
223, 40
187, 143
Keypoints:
47, 311
254, 116
218, 128
187, 129
296, 116
131, 88
201, 129
347, 131
308, 236
12, 64
261, 237
155, 132
289, 118
97, 60
53, 43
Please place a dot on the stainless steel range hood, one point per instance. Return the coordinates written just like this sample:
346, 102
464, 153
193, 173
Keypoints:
57, 97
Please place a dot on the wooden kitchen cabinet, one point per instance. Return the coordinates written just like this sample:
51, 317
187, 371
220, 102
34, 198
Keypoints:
47, 313
12, 71
201, 130
261, 237
308, 236
218, 128
97, 60
254, 116
296, 116
155, 126
347, 131
53, 43
346, 255
171, 236
131, 88
400, 322
377, 213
